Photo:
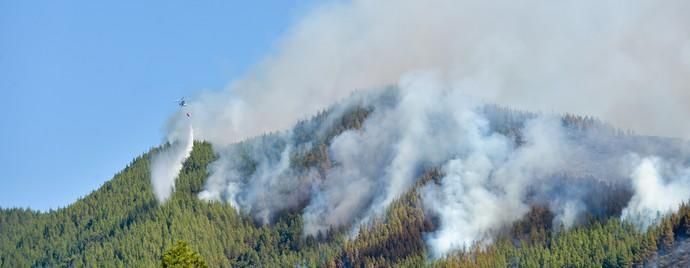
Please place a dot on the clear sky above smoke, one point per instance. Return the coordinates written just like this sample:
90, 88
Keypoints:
87, 86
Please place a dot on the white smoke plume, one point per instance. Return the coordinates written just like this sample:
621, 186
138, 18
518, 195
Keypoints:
659, 187
167, 163
484, 188
379, 163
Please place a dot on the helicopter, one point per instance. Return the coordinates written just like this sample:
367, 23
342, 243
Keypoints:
183, 103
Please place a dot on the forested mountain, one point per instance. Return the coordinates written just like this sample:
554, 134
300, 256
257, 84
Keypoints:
122, 225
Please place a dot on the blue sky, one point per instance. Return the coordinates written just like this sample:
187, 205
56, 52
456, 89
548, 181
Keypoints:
86, 86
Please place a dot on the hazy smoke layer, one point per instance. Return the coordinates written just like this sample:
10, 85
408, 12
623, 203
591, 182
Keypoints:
623, 61
167, 163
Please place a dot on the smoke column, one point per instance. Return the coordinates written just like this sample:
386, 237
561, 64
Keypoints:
167, 163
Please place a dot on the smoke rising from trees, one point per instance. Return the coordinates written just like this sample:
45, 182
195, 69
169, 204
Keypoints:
623, 61
491, 178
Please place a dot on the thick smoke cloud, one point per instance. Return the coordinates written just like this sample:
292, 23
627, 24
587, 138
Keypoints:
485, 189
167, 163
623, 61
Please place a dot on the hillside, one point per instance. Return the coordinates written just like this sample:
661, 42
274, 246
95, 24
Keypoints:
121, 224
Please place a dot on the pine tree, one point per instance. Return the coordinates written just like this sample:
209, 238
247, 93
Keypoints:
181, 255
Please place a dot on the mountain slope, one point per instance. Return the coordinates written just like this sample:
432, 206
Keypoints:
120, 224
